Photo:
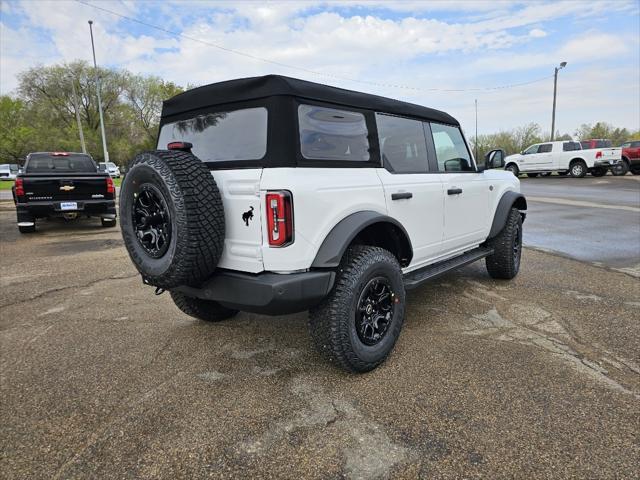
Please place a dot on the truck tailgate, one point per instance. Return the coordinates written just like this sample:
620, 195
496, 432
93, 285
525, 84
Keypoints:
67, 187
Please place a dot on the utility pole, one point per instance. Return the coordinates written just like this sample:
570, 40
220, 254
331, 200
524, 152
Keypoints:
95, 67
75, 107
476, 142
555, 91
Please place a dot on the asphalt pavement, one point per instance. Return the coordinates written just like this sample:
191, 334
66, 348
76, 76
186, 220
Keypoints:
538, 377
592, 219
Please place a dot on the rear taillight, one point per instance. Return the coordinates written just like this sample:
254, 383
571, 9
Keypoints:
110, 186
183, 146
598, 154
19, 187
279, 218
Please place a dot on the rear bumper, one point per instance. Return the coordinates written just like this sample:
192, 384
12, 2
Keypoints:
265, 293
606, 163
37, 209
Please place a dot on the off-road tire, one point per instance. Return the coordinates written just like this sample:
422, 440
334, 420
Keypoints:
504, 263
30, 229
577, 169
195, 217
532, 175
513, 168
206, 310
108, 222
598, 172
621, 169
332, 323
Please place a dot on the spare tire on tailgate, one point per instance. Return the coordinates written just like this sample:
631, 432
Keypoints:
172, 218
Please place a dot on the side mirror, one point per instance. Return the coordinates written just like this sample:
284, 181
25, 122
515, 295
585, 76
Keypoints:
495, 158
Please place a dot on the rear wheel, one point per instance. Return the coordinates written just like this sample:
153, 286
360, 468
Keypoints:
513, 168
358, 323
598, 172
206, 310
27, 229
504, 263
620, 169
578, 169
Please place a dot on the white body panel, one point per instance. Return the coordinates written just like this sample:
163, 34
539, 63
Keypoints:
439, 225
559, 160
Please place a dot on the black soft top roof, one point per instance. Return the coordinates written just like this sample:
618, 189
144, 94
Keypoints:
253, 88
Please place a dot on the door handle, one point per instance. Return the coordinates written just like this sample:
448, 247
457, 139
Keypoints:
401, 195
454, 191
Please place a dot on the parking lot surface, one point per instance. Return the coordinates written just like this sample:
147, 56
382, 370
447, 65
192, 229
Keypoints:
100, 378
595, 220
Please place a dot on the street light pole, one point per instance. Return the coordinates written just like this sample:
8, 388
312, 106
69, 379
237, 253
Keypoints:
95, 67
555, 91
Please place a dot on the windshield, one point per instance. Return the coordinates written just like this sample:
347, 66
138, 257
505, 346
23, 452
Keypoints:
51, 163
221, 136
4, 168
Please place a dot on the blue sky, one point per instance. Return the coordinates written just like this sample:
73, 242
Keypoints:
406, 50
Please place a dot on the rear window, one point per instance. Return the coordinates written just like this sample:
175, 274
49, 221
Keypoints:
571, 146
331, 134
402, 144
221, 136
72, 162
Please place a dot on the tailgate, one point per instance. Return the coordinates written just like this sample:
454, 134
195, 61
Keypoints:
240, 191
87, 187
609, 154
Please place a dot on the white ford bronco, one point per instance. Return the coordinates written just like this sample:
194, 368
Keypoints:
276, 195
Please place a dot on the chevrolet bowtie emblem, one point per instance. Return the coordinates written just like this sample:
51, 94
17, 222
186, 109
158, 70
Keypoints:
67, 188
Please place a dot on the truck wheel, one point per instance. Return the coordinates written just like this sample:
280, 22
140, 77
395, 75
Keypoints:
29, 229
172, 218
513, 168
598, 172
206, 310
621, 169
635, 171
578, 169
532, 175
504, 263
108, 222
358, 323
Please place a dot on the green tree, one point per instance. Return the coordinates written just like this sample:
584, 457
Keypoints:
16, 134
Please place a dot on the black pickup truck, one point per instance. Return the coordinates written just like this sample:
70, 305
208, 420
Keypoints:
62, 184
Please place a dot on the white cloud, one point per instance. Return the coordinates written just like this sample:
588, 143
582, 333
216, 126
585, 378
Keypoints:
416, 47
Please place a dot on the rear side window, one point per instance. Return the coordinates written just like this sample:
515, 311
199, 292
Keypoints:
402, 144
545, 148
72, 162
221, 136
571, 146
451, 150
331, 134
635, 144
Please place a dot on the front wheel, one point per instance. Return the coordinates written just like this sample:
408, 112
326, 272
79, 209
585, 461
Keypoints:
513, 168
578, 169
504, 263
358, 323
206, 310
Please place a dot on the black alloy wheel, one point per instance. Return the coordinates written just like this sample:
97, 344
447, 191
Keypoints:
151, 221
517, 245
375, 311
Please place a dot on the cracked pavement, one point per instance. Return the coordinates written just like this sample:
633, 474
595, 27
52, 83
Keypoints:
100, 378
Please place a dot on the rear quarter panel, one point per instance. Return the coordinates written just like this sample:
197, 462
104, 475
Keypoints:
321, 198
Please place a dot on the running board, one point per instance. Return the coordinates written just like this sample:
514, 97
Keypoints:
418, 277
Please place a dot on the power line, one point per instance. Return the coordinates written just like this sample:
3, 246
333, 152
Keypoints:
306, 70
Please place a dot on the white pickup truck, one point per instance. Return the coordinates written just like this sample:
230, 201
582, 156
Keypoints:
563, 157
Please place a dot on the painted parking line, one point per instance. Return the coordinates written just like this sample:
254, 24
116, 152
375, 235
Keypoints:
580, 203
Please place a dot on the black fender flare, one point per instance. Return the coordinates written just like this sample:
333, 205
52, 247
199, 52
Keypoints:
342, 234
507, 201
